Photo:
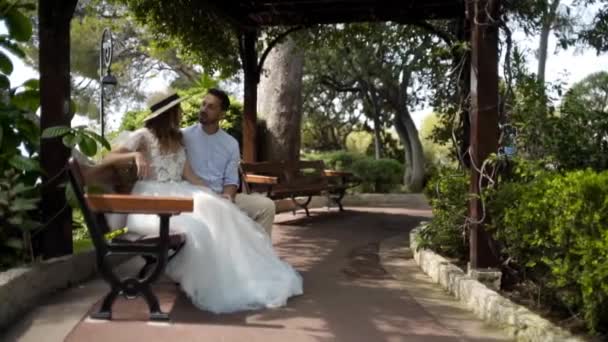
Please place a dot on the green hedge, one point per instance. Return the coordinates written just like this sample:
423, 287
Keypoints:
382, 175
447, 193
556, 227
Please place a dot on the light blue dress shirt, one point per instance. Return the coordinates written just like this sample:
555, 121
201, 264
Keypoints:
213, 157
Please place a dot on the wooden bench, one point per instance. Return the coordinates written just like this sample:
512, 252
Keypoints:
280, 180
87, 181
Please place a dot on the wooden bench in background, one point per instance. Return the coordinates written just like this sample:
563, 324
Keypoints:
155, 248
280, 180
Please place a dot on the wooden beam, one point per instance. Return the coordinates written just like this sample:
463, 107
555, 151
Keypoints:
484, 118
54, 64
252, 77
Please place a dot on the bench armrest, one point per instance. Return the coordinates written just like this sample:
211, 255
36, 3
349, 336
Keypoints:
259, 179
334, 173
134, 204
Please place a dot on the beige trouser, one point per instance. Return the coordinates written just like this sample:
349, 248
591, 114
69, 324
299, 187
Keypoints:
259, 207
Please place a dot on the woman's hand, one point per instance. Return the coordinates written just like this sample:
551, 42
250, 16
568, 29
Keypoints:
191, 177
143, 168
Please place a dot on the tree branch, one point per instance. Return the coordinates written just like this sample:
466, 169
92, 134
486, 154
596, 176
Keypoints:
446, 37
336, 85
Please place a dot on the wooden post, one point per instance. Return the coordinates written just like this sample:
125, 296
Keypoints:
250, 68
54, 33
484, 116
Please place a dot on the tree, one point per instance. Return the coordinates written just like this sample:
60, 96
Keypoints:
280, 105
436, 154
222, 46
137, 56
388, 66
581, 130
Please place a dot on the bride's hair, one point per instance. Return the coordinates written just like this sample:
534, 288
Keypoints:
165, 128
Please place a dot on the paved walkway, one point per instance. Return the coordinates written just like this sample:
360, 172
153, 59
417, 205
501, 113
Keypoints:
348, 296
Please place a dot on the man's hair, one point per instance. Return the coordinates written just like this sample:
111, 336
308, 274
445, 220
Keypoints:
220, 94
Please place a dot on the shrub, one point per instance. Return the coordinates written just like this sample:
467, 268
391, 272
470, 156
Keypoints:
445, 234
556, 226
383, 175
337, 160
380, 175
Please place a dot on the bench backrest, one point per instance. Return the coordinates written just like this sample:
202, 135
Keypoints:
295, 173
100, 178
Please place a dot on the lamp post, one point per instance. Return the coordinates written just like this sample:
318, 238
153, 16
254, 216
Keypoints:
107, 80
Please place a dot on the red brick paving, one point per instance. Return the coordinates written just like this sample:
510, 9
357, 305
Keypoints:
347, 294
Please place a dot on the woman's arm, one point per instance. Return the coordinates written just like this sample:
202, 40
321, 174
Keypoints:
122, 156
192, 177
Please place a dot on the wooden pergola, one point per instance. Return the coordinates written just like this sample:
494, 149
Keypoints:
248, 16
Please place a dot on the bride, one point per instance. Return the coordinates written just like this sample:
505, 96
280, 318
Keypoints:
228, 262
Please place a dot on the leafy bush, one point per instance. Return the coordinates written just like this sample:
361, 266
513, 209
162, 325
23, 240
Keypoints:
17, 202
337, 160
556, 226
382, 175
446, 234
19, 143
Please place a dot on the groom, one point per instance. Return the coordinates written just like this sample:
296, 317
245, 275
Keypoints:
214, 156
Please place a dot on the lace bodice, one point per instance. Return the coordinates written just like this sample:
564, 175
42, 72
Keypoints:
164, 167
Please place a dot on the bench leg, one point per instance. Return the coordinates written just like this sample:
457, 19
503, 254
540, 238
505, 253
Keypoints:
302, 205
105, 311
155, 312
131, 288
338, 199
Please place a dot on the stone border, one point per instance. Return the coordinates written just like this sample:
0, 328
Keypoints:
519, 322
22, 288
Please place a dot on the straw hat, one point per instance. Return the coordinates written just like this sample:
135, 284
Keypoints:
161, 102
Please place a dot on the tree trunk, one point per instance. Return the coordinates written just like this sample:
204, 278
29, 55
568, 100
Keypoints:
54, 59
414, 156
376, 115
547, 25
280, 105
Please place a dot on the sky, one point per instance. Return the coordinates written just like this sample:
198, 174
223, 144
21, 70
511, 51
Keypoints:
570, 66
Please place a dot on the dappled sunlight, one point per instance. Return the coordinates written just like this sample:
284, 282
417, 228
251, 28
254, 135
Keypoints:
348, 296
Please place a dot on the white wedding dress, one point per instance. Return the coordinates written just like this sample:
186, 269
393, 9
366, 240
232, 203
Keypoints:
228, 263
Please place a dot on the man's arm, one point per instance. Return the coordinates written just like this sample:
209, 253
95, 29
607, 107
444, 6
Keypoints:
231, 174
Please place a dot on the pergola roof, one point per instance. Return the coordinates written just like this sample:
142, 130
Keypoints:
307, 12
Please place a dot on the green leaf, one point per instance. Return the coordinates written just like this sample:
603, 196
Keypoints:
24, 164
30, 225
24, 204
27, 100
70, 140
88, 146
11, 47
32, 84
5, 83
19, 26
15, 220
1, 135
14, 243
6, 66
55, 131
103, 141
21, 188
70, 196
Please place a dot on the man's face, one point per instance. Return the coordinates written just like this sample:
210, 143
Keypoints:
211, 110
